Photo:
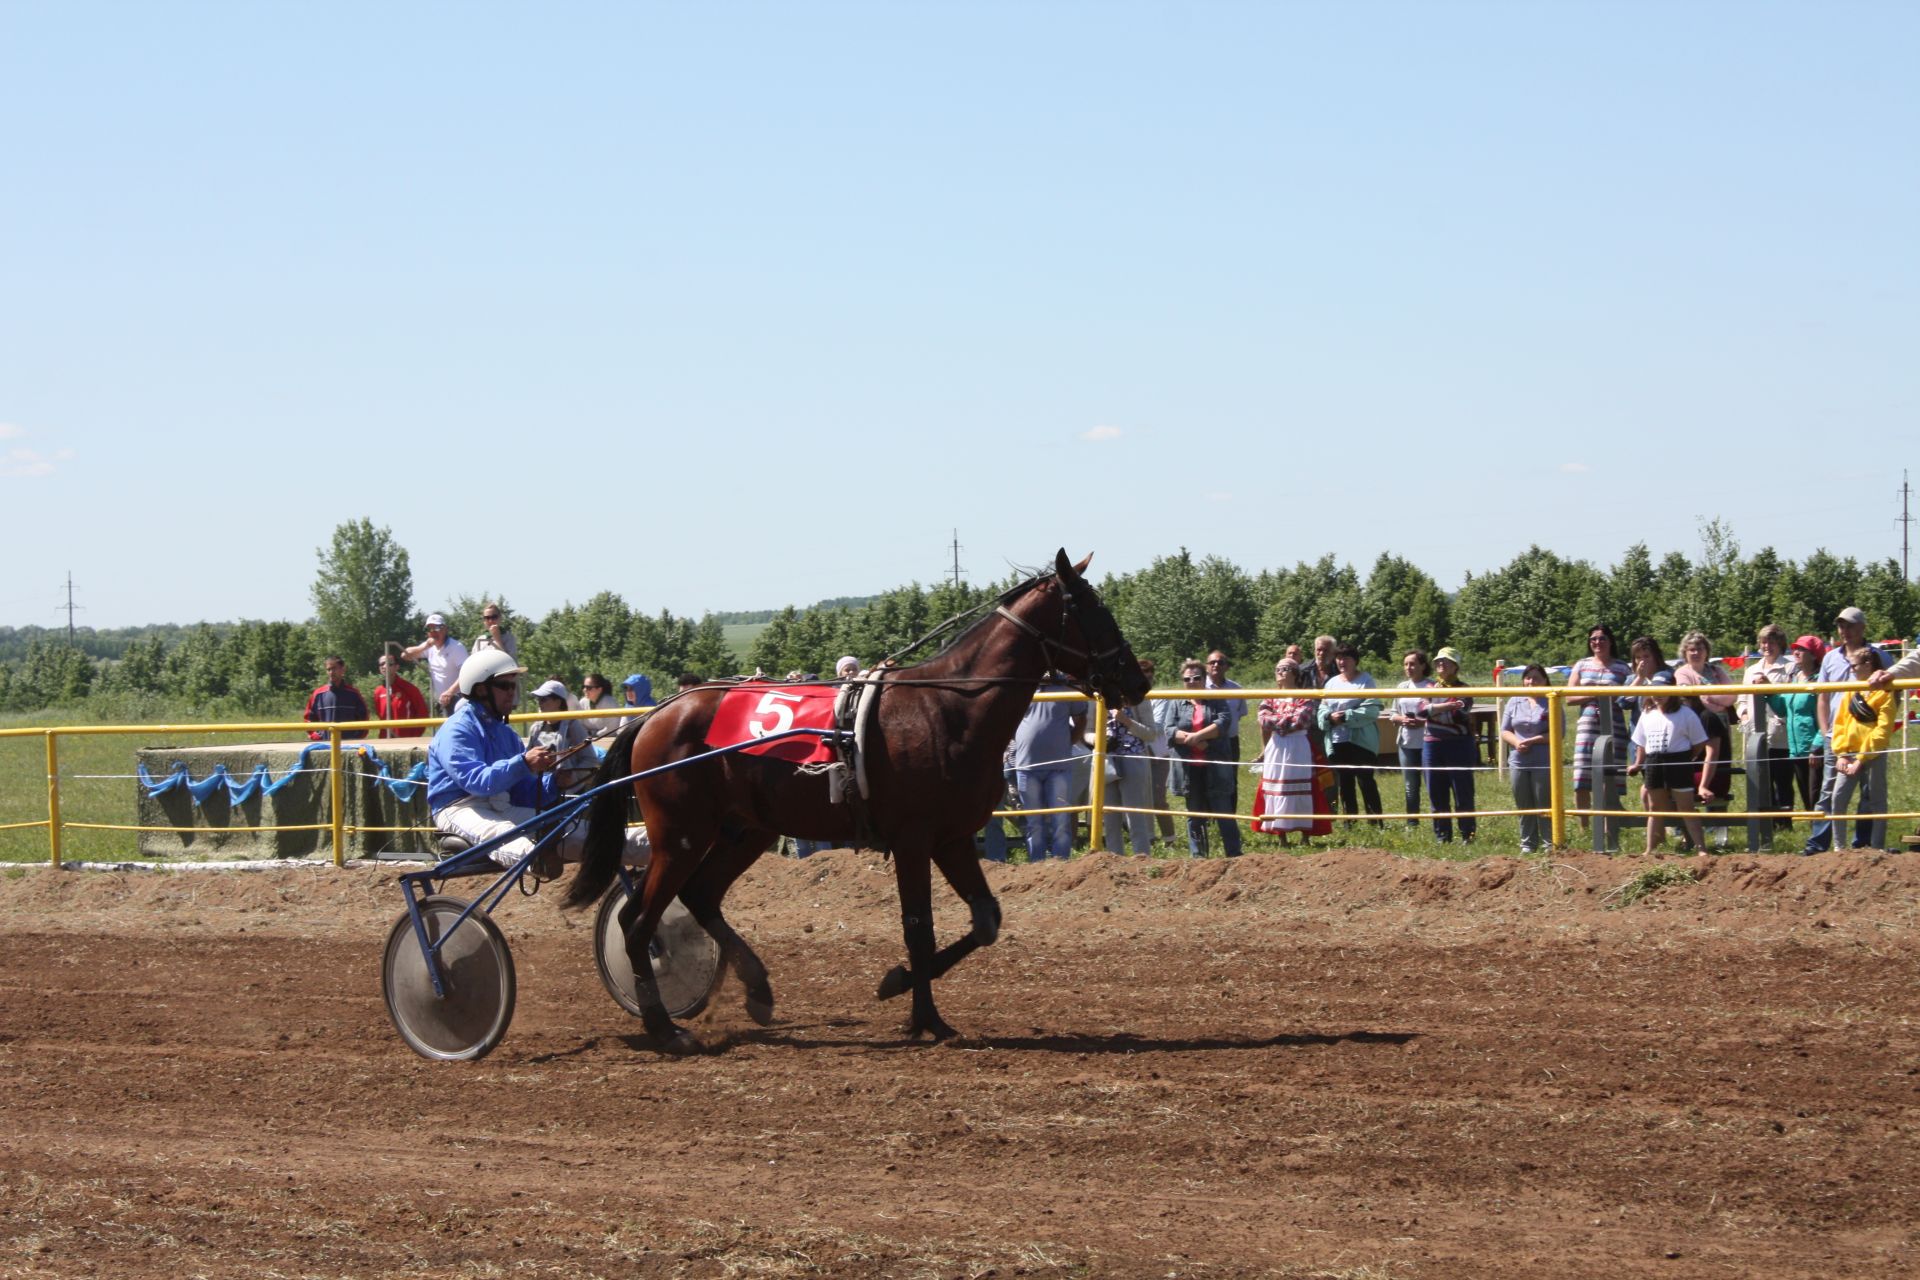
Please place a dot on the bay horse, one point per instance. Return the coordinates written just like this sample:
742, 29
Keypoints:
934, 768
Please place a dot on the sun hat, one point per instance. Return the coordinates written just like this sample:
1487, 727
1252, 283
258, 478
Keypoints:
1449, 653
1812, 644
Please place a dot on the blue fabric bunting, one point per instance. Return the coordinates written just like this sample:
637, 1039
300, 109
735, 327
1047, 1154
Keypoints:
261, 782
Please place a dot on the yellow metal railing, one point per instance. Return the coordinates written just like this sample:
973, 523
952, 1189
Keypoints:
336, 825
1096, 808
1557, 811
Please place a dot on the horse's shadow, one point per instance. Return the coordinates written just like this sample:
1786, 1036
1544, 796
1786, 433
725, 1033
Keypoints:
820, 1035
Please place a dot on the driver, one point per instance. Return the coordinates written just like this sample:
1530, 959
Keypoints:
483, 781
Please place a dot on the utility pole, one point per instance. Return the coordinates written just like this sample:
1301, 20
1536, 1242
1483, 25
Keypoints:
70, 608
1906, 523
956, 558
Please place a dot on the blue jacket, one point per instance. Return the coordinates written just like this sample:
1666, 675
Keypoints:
475, 753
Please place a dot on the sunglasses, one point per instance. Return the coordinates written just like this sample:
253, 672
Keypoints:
1191, 675
489, 617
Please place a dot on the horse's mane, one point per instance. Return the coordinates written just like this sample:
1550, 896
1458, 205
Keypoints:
1006, 597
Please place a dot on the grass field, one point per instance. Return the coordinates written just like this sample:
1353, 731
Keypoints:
97, 785
740, 637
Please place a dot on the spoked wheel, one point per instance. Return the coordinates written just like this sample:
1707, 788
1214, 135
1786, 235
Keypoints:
476, 970
686, 962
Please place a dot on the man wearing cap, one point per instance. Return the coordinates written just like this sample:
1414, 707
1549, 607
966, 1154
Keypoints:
444, 657
1837, 668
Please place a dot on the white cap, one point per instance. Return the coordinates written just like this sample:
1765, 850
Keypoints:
436, 620
551, 689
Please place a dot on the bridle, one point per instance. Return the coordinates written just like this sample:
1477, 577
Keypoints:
1103, 665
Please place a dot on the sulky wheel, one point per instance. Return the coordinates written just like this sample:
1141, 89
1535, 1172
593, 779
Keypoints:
686, 961
476, 970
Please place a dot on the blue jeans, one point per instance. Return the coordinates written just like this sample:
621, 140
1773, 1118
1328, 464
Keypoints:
807, 848
1532, 789
1871, 782
1820, 839
1048, 834
1413, 780
1449, 763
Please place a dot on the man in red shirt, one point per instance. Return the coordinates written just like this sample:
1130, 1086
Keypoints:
397, 699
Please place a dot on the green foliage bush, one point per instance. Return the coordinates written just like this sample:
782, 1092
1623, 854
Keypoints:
1535, 608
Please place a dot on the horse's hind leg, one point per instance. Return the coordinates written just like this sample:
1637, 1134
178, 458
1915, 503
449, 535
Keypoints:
702, 895
913, 873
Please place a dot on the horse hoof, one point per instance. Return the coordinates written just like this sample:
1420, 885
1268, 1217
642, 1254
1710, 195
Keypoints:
937, 1029
895, 983
679, 1042
761, 1011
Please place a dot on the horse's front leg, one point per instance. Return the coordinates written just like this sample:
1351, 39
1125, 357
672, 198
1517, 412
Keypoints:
913, 873
961, 868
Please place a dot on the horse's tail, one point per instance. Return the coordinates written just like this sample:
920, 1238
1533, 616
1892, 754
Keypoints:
606, 822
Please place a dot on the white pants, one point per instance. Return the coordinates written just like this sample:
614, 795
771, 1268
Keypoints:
479, 818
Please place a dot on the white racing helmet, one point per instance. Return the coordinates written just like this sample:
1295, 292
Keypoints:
485, 665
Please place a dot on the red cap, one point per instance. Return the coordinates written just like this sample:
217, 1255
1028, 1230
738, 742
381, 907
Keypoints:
1812, 644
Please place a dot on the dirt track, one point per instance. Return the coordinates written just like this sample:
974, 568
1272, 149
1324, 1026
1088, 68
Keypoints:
1344, 1065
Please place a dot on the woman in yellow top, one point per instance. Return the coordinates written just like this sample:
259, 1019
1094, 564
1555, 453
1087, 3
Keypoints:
1862, 726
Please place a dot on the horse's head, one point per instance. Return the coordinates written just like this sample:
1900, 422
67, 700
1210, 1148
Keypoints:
1094, 641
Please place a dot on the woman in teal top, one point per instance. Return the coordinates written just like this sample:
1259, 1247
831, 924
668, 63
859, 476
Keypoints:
1806, 745
1352, 731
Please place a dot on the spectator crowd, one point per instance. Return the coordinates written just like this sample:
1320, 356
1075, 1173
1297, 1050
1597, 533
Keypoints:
1676, 747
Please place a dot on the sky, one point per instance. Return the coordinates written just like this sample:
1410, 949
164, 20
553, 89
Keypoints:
735, 305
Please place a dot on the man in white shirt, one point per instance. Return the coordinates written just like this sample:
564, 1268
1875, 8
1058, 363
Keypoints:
443, 655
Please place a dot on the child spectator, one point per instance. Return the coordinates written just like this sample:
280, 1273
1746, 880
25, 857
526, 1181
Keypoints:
1665, 739
1862, 725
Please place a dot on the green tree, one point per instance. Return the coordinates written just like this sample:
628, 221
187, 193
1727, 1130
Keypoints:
1424, 623
1322, 598
575, 639
1535, 608
1627, 597
363, 594
1392, 590
1181, 609
709, 654
52, 674
1890, 602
